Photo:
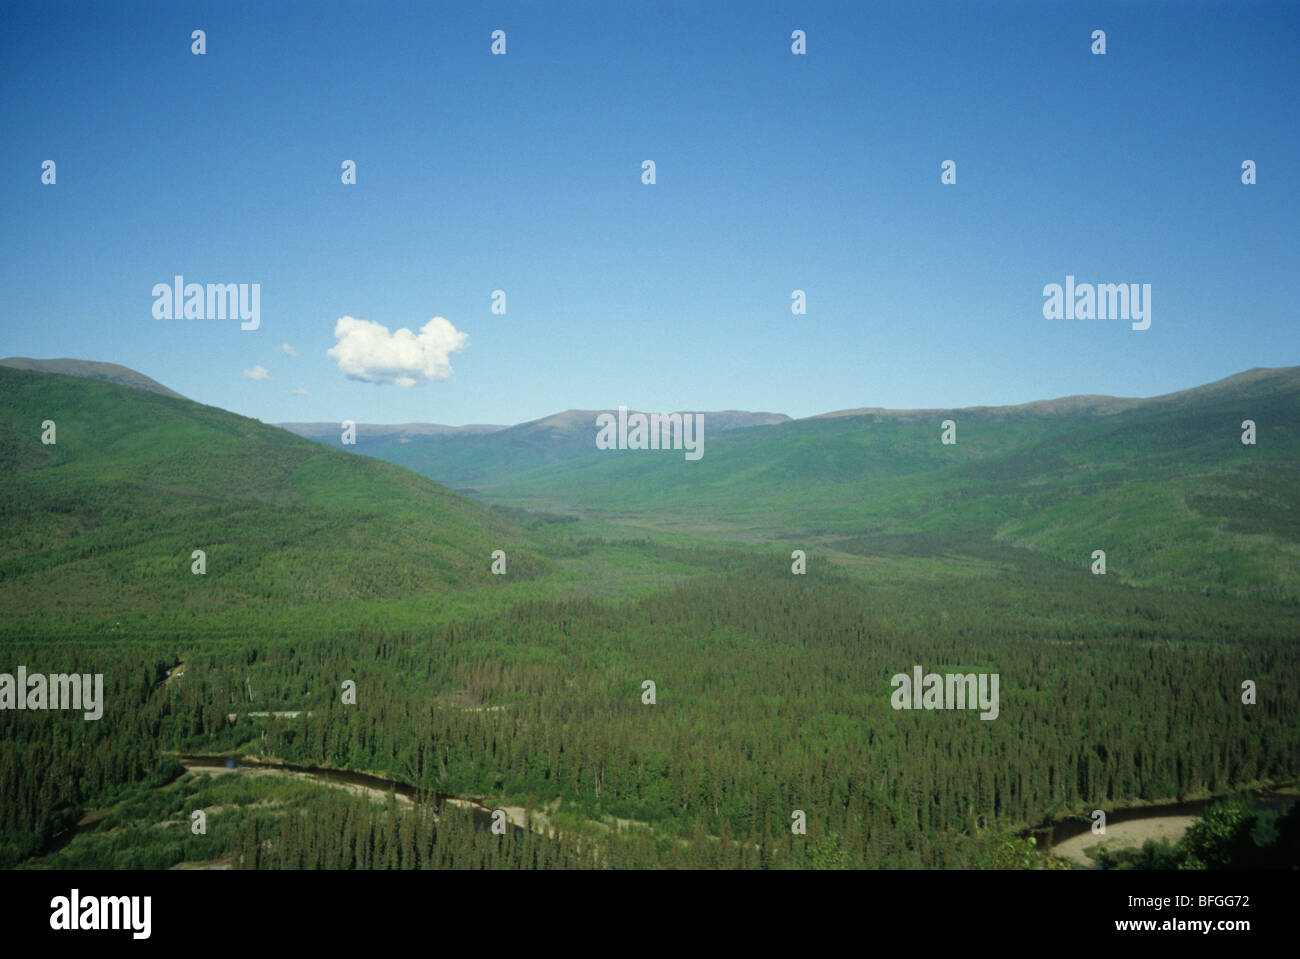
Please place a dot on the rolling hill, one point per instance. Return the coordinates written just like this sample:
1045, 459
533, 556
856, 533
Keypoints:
108, 372
99, 527
1164, 484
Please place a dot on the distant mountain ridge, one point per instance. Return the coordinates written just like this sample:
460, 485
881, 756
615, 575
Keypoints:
472, 456
331, 431
556, 422
717, 420
1084, 403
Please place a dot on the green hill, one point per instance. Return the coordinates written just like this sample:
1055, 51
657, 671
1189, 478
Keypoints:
108, 372
98, 529
1163, 485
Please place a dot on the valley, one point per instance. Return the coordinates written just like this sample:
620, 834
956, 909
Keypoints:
524, 690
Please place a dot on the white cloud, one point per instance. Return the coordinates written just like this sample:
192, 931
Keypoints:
367, 351
289, 349
301, 392
257, 373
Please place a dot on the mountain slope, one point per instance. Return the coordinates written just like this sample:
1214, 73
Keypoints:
102, 524
108, 372
1164, 484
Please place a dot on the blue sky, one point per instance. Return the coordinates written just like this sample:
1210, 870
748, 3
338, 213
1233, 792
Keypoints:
775, 172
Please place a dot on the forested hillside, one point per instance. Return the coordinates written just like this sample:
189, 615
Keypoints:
773, 696
1165, 485
97, 529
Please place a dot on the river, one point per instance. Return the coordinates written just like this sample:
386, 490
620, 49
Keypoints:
375, 786
1166, 819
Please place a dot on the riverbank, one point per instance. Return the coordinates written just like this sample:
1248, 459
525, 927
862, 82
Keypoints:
1082, 848
375, 787
1131, 825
